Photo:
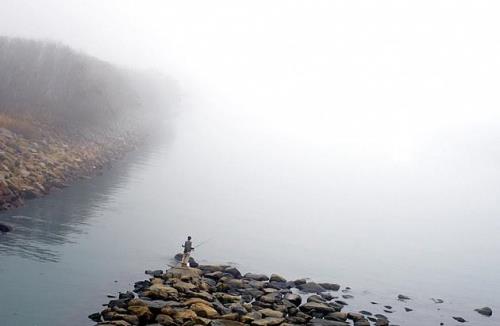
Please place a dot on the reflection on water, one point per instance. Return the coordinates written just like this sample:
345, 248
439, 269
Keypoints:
43, 224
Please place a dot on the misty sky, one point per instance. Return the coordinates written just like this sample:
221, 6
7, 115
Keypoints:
387, 76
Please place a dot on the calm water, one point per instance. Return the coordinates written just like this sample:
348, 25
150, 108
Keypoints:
422, 223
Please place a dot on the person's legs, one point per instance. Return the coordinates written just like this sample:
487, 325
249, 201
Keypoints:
185, 259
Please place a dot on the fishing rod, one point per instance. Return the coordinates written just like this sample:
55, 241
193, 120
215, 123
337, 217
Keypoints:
202, 243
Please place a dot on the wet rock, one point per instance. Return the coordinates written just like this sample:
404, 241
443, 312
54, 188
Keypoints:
310, 307
161, 291
388, 307
165, 320
408, 309
402, 297
460, 319
184, 314
225, 322
271, 297
311, 287
251, 316
227, 298
95, 317
294, 298
256, 277
327, 296
316, 298
338, 316
155, 273
271, 313
268, 321
142, 312
485, 311
330, 286
277, 278
233, 271
437, 300
366, 313
204, 310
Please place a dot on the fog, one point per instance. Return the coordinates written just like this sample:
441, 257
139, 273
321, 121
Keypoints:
387, 77
356, 139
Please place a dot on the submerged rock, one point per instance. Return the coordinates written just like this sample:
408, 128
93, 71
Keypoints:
4, 228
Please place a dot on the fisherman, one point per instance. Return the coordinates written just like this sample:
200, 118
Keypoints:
188, 247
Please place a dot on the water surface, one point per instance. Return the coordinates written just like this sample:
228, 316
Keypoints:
422, 223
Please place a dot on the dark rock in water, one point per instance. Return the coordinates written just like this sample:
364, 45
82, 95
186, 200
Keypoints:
366, 313
311, 287
127, 295
437, 300
95, 317
330, 286
460, 319
340, 302
300, 281
388, 307
373, 302
408, 309
4, 228
155, 273
327, 296
402, 297
380, 316
256, 277
388, 311
485, 311
347, 296
316, 298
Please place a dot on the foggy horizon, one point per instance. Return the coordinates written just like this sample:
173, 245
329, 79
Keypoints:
350, 142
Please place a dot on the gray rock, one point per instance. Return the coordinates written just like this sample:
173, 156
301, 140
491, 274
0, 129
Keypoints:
294, 298
256, 277
277, 278
485, 311
311, 287
4, 228
330, 286
402, 297
460, 319
233, 271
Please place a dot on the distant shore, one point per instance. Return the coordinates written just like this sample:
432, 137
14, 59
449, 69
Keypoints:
35, 160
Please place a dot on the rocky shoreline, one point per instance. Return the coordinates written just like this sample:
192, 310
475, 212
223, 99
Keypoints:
219, 295
31, 167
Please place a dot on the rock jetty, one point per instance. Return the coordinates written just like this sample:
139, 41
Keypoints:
215, 295
31, 166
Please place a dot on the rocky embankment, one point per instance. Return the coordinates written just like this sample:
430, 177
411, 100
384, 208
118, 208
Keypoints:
222, 296
31, 166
